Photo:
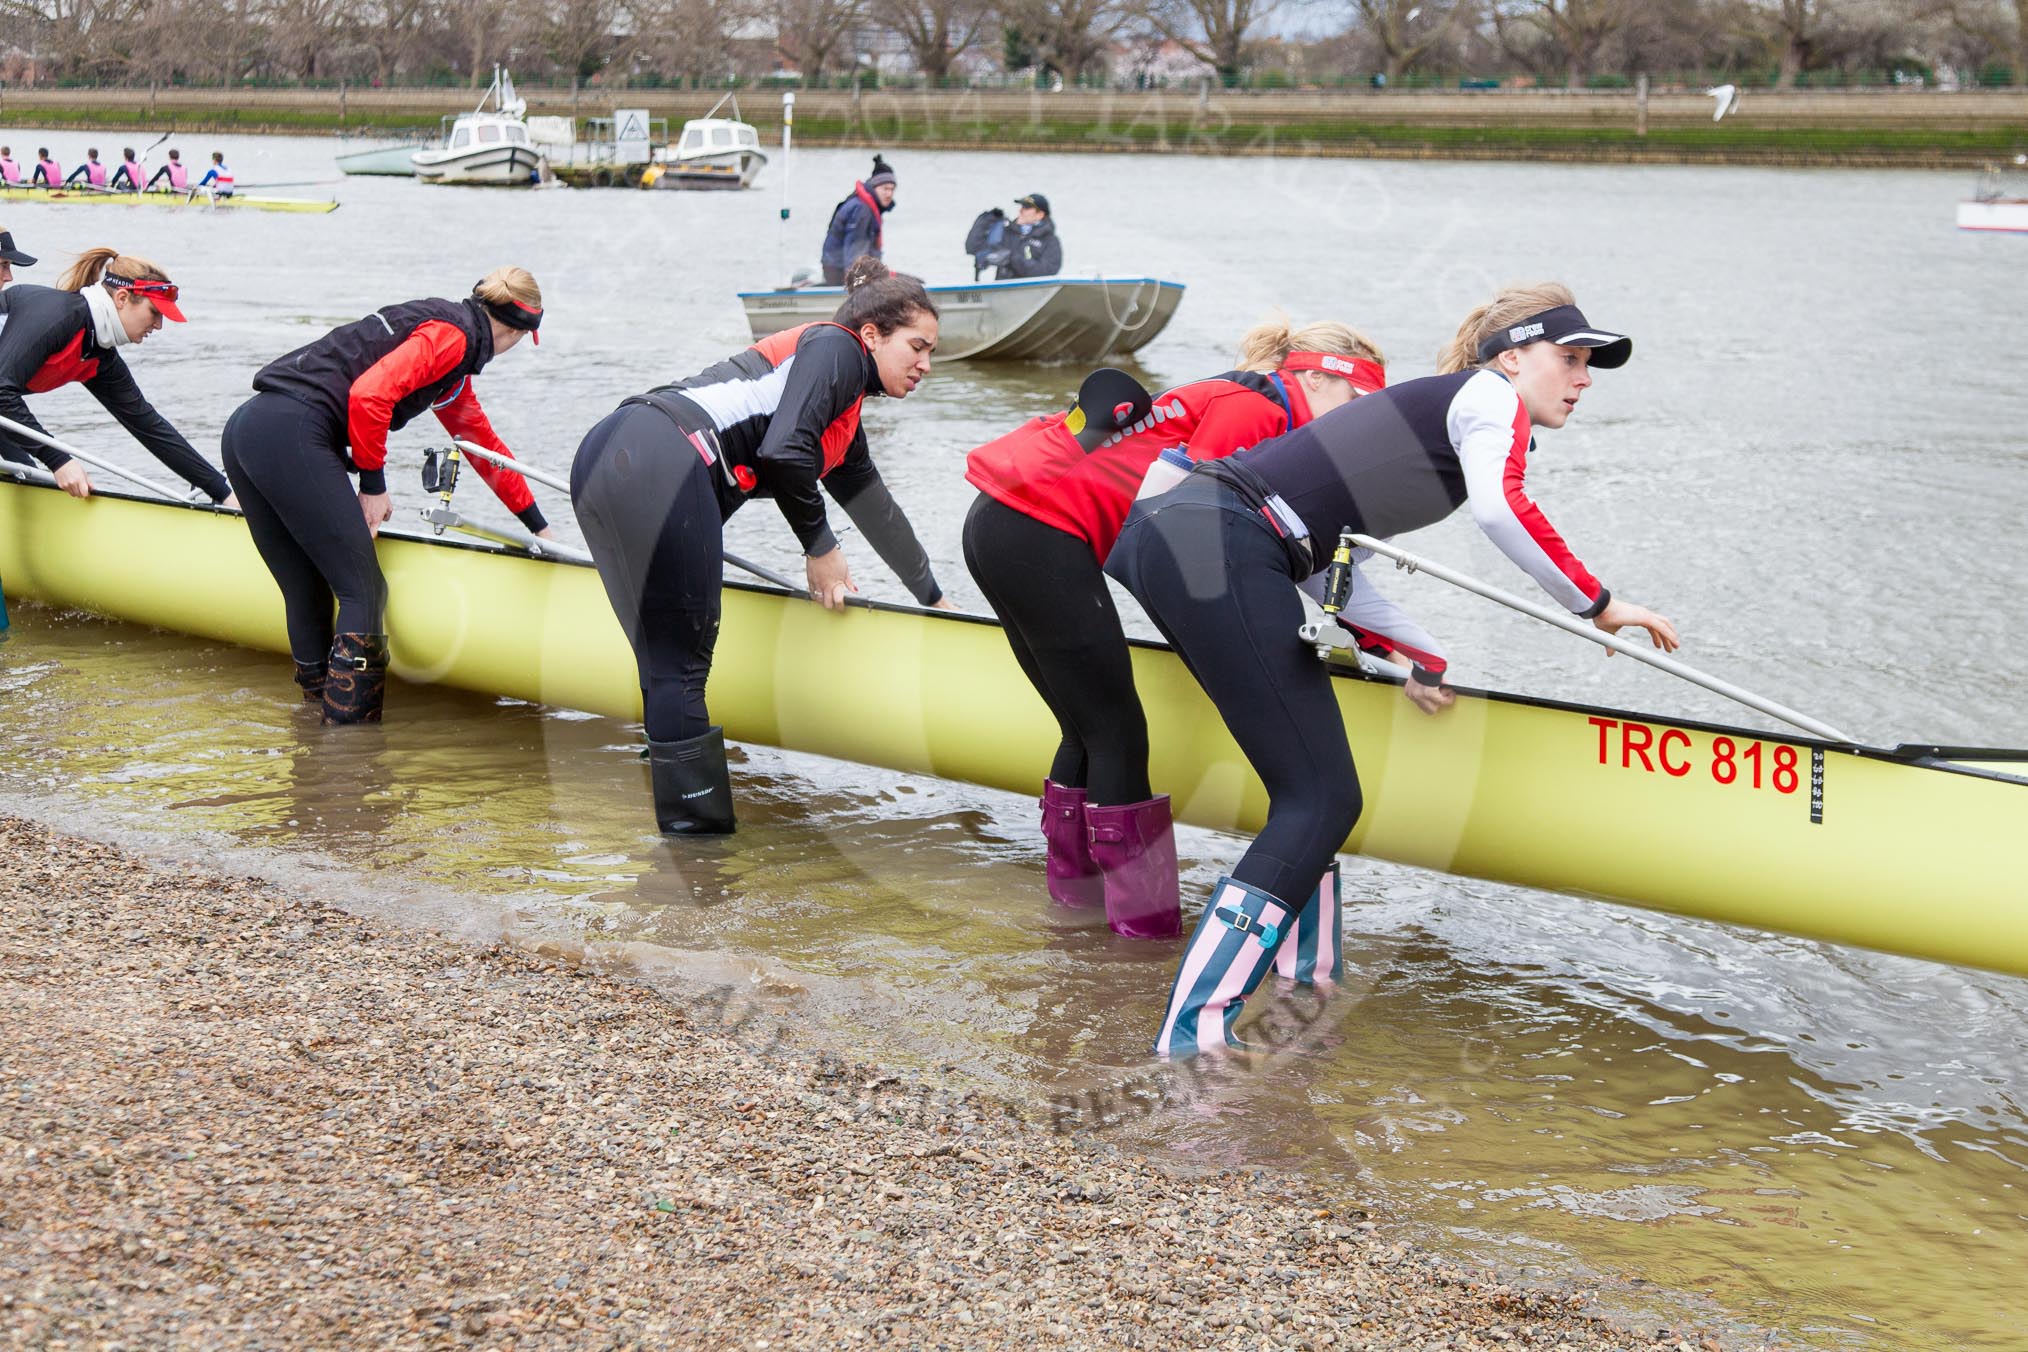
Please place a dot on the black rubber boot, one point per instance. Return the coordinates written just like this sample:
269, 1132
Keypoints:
356, 684
693, 787
311, 676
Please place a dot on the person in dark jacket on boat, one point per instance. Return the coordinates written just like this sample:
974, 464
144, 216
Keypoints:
855, 230
322, 413
1051, 499
1216, 559
654, 482
53, 336
1033, 250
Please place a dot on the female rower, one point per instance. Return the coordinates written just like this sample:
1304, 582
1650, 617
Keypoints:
1269, 517
52, 336
127, 173
47, 172
1035, 539
11, 257
654, 482
173, 170
91, 171
323, 412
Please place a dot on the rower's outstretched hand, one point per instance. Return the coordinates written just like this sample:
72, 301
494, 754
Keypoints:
1431, 699
73, 480
1620, 615
377, 507
546, 533
830, 578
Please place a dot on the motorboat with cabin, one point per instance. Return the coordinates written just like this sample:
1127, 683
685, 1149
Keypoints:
487, 146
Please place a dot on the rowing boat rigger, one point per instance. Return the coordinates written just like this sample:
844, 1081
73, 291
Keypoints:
1914, 850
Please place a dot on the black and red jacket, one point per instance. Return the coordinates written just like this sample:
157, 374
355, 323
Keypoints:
782, 417
374, 376
1040, 470
47, 339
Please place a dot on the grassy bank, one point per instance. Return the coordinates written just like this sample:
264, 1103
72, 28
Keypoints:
1881, 128
232, 1118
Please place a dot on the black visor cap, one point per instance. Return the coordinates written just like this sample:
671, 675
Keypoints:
1566, 326
10, 254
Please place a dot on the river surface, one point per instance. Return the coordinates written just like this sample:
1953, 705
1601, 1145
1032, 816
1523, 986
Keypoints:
1814, 466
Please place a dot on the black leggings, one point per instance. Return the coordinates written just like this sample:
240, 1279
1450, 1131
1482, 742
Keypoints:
1052, 599
1214, 577
645, 500
288, 465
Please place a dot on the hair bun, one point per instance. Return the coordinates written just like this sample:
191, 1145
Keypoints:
865, 268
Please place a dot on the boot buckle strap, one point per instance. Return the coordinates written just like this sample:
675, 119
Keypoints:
1250, 924
355, 663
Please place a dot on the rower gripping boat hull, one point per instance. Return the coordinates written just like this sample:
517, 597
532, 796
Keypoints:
1038, 319
187, 198
1888, 850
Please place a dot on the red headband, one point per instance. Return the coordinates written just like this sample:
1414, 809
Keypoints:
1366, 375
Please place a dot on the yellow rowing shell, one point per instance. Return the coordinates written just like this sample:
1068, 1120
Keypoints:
1900, 850
78, 196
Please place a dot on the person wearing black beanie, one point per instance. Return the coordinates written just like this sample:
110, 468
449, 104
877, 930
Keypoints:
855, 223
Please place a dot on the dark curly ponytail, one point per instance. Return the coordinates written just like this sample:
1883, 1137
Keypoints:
886, 300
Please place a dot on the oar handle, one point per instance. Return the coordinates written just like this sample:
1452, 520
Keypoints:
526, 470
1682, 670
95, 462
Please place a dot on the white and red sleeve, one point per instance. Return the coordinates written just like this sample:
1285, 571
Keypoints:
1489, 429
1383, 626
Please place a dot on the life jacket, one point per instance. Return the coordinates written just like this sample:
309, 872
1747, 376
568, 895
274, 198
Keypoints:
834, 253
321, 373
728, 407
1041, 471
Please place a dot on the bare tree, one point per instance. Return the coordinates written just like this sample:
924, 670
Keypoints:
810, 31
577, 34
1574, 31
1796, 25
937, 31
1405, 30
1213, 31
1068, 36
1999, 27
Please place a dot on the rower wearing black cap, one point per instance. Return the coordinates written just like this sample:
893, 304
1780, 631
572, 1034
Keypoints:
656, 479
1052, 495
11, 257
1267, 518
53, 336
323, 412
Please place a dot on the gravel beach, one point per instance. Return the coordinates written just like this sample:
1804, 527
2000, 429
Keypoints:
230, 1118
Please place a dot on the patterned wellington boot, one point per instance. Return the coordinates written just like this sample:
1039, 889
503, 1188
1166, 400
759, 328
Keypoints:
356, 684
311, 677
1134, 845
693, 785
1231, 950
1314, 948
1073, 877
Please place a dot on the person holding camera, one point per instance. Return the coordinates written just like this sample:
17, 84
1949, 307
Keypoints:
1027, 246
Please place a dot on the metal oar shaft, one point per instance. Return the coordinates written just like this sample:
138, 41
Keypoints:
26, 474
108, 466
1683, 671
528, 471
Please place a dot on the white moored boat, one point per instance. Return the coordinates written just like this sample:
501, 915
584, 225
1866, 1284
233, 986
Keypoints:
712, 152
485, 146
1997, 205
1039, 319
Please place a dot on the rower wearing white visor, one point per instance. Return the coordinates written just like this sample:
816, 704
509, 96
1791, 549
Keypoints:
1396, 460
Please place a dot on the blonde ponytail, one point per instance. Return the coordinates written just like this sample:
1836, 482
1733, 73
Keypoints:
1510, 307
93, 264
509, 286
1268, 344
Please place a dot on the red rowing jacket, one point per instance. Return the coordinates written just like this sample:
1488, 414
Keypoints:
371, 377
1040, 470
